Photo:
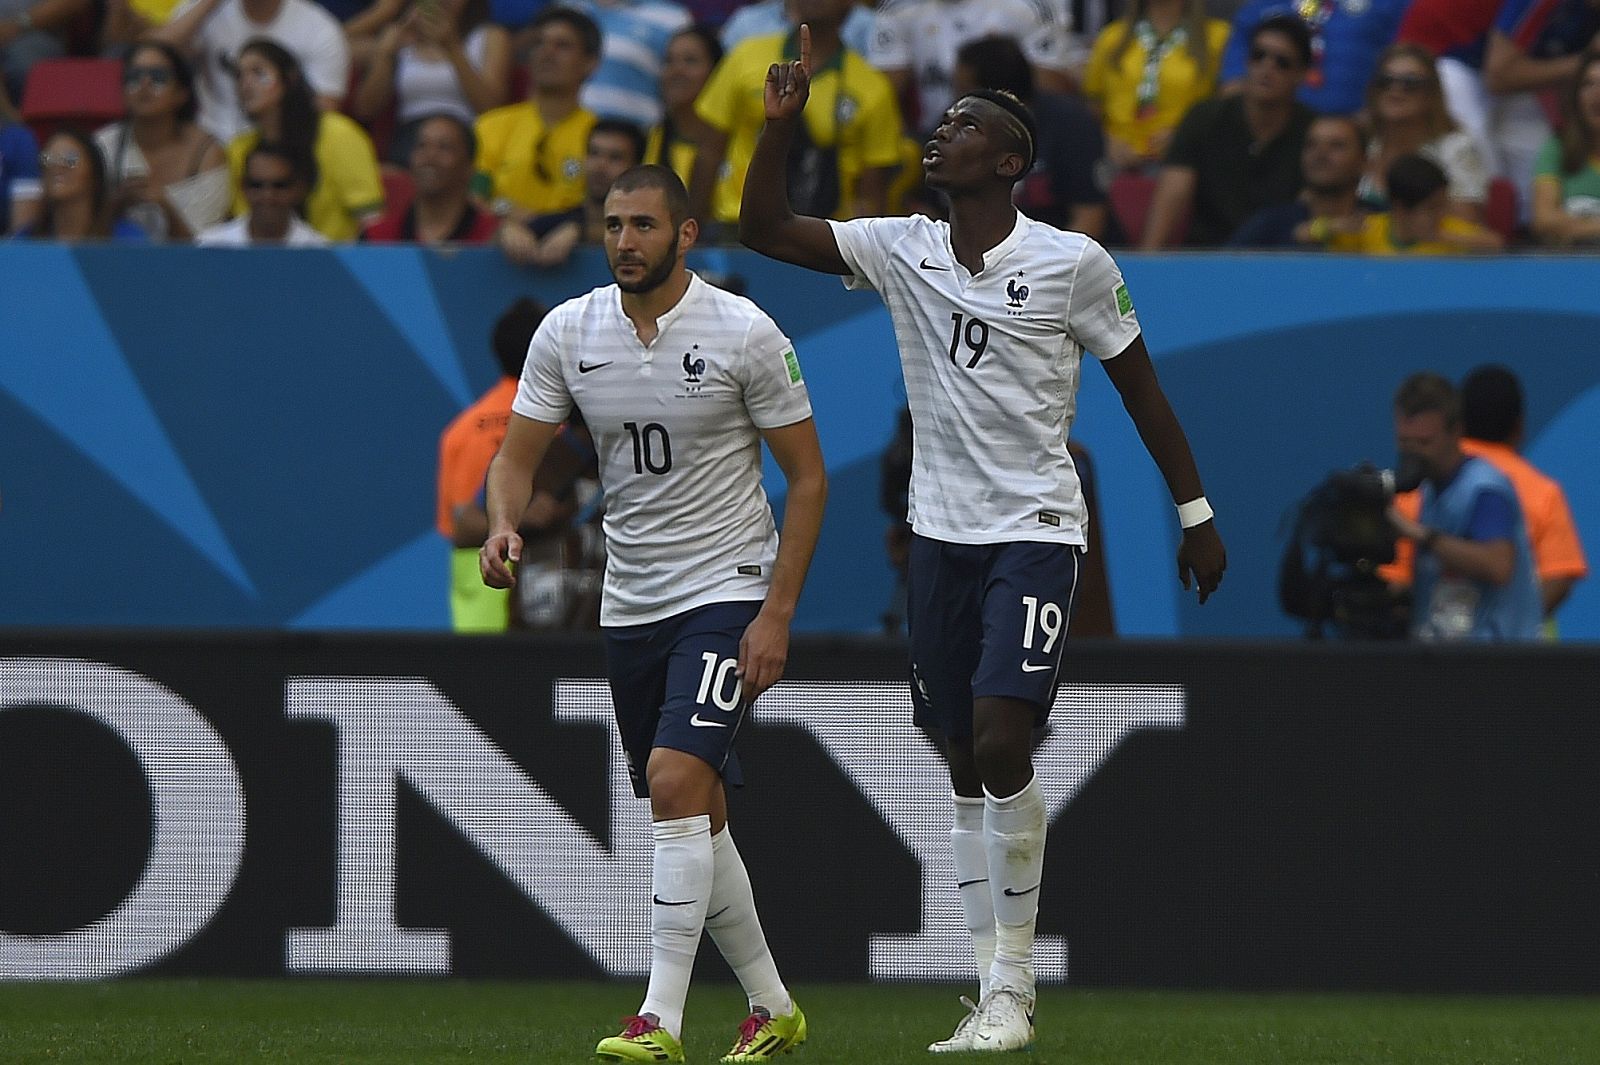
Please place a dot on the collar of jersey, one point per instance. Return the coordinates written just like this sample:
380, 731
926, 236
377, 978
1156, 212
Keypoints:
673, 313
993, 256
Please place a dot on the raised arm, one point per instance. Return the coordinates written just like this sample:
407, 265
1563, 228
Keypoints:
765, 647
1201, 554
510, 487
766, 224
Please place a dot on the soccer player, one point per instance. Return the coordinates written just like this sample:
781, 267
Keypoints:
992, 313
679, 383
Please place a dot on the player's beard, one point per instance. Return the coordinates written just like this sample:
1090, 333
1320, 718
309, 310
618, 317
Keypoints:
655, 276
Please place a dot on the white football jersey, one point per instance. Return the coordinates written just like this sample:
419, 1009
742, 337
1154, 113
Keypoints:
677, 428
923, 36
991, 365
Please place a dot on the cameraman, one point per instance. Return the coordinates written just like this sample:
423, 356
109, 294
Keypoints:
1474, 576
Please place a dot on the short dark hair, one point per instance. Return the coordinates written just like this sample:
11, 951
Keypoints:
1426, 392
621, 128
1413, 178
302, 167
469, 136
1354, 124
586, 28
998, 62
1292, 27
513, 332
654, 176
1491, 404
1028, 145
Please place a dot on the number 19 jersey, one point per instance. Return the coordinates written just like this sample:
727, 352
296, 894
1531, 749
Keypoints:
677, 428
991, 364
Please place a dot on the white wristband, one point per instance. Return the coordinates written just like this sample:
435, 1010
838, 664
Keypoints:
1195, 512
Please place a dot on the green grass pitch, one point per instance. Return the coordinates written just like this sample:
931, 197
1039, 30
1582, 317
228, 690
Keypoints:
420, 1022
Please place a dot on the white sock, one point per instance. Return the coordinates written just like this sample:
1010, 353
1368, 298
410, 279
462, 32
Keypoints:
681, 880
1014, 830
972, 882
736, 929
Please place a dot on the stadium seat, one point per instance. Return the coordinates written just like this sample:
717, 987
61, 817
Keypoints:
1131, 193
398, 189
1500, 212
72, 92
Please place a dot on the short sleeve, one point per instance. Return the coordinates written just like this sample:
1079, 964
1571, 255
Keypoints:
542, 392
355, 169
1463, 164
880, 124
891, 41
327, 63
1494, 516
774, 389
1557, 550
1094, 76
1100, 313
864, 246
1190, 137
1548, 163
718, 102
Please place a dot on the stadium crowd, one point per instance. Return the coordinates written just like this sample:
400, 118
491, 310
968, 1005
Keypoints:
1376, 126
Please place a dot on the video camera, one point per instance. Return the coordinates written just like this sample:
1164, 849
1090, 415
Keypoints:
1329, 574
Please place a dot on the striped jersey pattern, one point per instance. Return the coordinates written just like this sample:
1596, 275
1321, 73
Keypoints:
677, 427
991, 364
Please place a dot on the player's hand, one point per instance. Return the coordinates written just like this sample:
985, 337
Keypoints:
1202, 557
493, 556
763, 652
789, 84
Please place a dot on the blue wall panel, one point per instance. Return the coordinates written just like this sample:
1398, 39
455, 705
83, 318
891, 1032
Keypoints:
217, 438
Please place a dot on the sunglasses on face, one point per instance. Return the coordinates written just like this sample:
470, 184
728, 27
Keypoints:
1279, 60
1408, 82
66, 160
258, 185
158, 77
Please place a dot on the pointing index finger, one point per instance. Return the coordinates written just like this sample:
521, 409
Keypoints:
805, 48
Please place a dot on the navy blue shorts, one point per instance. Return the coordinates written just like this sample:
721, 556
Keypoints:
986, 619
673, 685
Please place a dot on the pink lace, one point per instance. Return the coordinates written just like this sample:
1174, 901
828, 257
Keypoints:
752, 1024
637, 1026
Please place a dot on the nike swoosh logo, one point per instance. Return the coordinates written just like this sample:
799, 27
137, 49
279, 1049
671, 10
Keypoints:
699, 722
659, 901
590, 367
967, 883
1019, 894
926, 265
1029, 667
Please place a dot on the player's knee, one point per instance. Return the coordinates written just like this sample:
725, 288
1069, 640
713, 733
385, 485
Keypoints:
1001, 757
681, 785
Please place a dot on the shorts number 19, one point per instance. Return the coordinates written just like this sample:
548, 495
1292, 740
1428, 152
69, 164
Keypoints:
1042, 617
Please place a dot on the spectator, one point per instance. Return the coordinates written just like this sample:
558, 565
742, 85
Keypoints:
1235, 155
851, 139
1406, 108
1145, 72
1064, 189
1499, 57
465, 448
76, 194
277, 181
1328, 207
19, 169
1418, 221
915, 44
763, 18
1346, 38
127, 22
530, 154
215, 32
31, 30
634, 36
1566, 188
346, 190
441, 57
1474, 577
441, 211
548, 240
691, 56
168, 176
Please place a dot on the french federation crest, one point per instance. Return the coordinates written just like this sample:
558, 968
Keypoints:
1016, 295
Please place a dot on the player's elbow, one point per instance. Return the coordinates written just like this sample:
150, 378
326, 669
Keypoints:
1500, 564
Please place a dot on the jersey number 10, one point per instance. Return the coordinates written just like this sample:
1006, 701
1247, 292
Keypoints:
652, 448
